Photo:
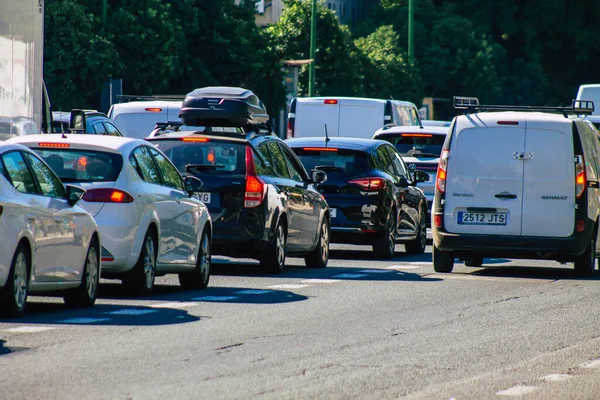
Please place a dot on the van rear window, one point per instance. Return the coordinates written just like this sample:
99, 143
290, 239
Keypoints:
211, 156
83, 165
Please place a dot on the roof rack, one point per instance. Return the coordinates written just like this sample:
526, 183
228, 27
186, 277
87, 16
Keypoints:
124, 98
471, 104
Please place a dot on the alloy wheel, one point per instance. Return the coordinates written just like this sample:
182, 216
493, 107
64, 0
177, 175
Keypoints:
20, 279
324, 241
91, 269
280, 245
149, 262
205, 258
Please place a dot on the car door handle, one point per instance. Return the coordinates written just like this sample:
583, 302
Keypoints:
505, 195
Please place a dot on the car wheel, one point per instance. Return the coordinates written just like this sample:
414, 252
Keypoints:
13, 297
319, 257
474, 262
199, 277
417, 246
85, 294
443, 261
141, 279
273, 260
385, 246
585, 264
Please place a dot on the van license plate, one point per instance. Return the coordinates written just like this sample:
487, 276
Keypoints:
481, 218
202, 196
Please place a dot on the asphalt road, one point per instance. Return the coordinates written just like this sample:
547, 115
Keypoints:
359, 329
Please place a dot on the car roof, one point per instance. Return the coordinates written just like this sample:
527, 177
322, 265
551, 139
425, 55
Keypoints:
7, 146
116, 143
394, 130
350, 143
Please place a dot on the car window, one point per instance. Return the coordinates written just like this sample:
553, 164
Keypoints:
98, 128
273, 154
385, 161
144, 164
18, 172
75, 165
49, 183
398, 162
261, 166
111, 129
295, 172
169, 173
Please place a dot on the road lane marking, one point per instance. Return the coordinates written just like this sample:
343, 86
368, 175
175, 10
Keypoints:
320, 281
28, 329
350, 276
175, 304
591, 364
375, 271
215, 298
555, 377
83, 320
130, 311
253, 291
516, 391
394, 267
288, 286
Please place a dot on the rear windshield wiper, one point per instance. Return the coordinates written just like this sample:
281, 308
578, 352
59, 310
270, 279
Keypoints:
328, 168
202, 167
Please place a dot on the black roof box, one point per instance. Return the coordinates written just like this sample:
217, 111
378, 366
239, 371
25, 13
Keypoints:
223, 106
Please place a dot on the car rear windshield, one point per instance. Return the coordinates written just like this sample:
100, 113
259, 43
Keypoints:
83, 165
417, 144
210, 156
332, 159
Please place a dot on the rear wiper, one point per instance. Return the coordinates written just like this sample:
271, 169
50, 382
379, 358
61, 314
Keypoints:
328, 168
202, 167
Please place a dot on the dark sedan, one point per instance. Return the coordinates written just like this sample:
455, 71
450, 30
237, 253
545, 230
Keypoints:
372, 195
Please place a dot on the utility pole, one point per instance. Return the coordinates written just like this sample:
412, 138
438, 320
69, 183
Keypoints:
411, 45
313, 40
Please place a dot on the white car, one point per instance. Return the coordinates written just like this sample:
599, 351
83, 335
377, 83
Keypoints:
136, 119
150, 223
49, 243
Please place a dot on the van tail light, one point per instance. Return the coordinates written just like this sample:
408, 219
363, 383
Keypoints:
437, 220
107, 196
290, 129
580, 177
440, 182
369, 184
255, 187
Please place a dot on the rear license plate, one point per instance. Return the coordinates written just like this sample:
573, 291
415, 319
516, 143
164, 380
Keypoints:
203, 196
333, 212
481, 218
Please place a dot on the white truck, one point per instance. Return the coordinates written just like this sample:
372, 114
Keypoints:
24, 105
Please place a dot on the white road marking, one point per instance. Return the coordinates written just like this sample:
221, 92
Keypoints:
253, 291
176, 304
555, 377
130, 311
83, 320
349, 276
320, 281
215, 298
28, 329
394, 267
288, 286
465, 277
375, 271
516, 391
591, 364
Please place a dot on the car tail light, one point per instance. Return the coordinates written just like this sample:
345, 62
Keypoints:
580, 226
255, 187
580, 177
440, 181
319, 149
421, 135
194, 139
107, 196
437, 220
369, 184
330, 101
290, 129
153, 109
46, 144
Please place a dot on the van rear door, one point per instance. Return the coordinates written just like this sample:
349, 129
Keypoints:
361, 117
484, 189
312, 114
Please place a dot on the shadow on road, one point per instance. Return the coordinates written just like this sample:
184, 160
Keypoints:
529, 272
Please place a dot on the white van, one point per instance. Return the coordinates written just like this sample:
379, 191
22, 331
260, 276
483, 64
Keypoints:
347, 116
590, 92
515, 182
137, 119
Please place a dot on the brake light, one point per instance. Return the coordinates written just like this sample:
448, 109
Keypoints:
330, 101
369, 184
210, 157
417, 135
46, 144
290, 129
255, 187
107, 195
194, 139
440, 181
437, 220
580, 177
319, 149
153, 109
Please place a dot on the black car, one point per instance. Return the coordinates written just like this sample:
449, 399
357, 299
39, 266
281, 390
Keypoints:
263, 203
372, 195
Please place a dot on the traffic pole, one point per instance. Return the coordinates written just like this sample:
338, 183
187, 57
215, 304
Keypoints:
411, 14
313, 40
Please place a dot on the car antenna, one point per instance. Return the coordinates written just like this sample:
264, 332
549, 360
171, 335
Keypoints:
326, 135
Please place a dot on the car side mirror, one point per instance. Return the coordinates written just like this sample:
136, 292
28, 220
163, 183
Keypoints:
77, 121
421, 176
192, 185
74, 194
318, 176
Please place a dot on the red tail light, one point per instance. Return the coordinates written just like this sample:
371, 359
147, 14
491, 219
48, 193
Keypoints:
194, 139
440, 182
437, 220
107, 196
369, 184
580, 177
330, 101
153, 109
290, 129
255, 187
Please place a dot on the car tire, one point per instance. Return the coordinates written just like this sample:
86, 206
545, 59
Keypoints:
418, 245
13, 297
585, 264
273, 260
443, 261
385, 245
142, 276
319, 257
199, 277
85, 294
474, 262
